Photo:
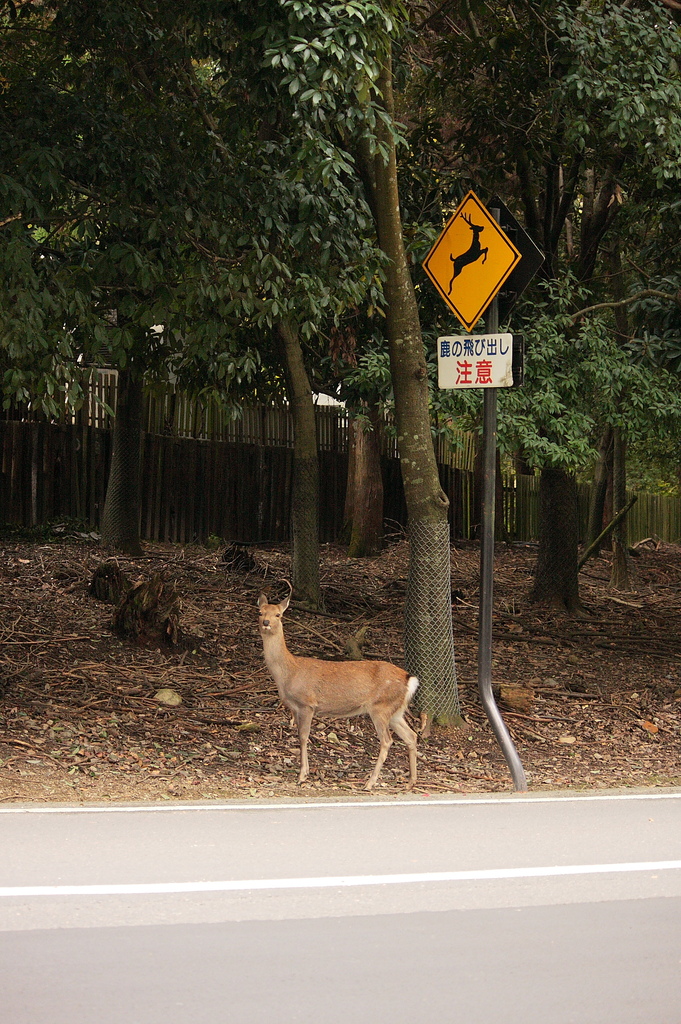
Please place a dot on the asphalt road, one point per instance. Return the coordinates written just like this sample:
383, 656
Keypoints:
532, 909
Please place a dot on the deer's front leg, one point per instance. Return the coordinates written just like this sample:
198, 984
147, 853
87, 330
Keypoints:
304, 721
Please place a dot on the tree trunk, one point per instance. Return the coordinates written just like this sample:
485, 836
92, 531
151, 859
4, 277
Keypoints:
120, 526
521, 465
429, 650
608, 513
557, 557
305, 502
367, 520
619, 576
555, 579
354, 426
598, 490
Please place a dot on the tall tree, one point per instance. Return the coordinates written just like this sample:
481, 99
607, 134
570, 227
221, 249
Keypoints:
305, 495
428, 637
359, 374
554, 108
120, 526
110, 242
366, 537
349, 88
249, 223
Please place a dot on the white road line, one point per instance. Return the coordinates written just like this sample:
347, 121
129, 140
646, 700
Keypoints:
335, 881
274, 805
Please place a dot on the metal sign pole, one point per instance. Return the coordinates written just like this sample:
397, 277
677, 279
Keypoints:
467, 294
487, 573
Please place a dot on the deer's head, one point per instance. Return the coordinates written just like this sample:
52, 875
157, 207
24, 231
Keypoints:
269, 618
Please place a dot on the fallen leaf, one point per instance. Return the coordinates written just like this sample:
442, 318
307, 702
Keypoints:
567, 739
649, 727
167, 696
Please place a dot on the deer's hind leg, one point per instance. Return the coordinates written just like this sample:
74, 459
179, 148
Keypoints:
408, 736
385, 737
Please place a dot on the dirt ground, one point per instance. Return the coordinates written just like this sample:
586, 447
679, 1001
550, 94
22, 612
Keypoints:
599, 703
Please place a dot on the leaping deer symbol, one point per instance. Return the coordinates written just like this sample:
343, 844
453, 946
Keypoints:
473, 253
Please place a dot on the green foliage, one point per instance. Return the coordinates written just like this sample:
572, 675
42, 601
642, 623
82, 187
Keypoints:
190, 165
656, 323
177, 184
570, 112
653, 465
330, 58
576, 378
367, 377
623, 84
561, 108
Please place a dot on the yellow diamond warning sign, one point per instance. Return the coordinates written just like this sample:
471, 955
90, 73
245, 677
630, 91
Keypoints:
470, 260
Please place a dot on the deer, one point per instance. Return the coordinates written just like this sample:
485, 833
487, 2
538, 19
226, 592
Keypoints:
473, 253
337, 689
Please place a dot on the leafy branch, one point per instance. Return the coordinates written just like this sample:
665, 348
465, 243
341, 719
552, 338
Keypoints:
647, 293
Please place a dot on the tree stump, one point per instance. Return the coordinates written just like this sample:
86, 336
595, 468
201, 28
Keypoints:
149, 613
516, 698
109, 583
238, 558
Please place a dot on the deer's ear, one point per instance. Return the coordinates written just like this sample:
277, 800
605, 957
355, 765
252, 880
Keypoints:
284, 604
262, 600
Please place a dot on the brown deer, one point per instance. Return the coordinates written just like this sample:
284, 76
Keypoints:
473, 253
337, 689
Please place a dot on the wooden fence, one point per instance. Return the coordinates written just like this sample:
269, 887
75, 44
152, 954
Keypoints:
171, 412
191, 489
194, 489
238, 485
655, 515
51, 471
521, 509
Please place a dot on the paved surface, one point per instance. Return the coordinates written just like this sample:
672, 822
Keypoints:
530, 909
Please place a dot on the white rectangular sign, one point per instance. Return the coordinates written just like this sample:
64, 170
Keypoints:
475, 361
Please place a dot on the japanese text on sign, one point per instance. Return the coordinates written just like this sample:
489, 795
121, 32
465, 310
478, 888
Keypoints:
475, 361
